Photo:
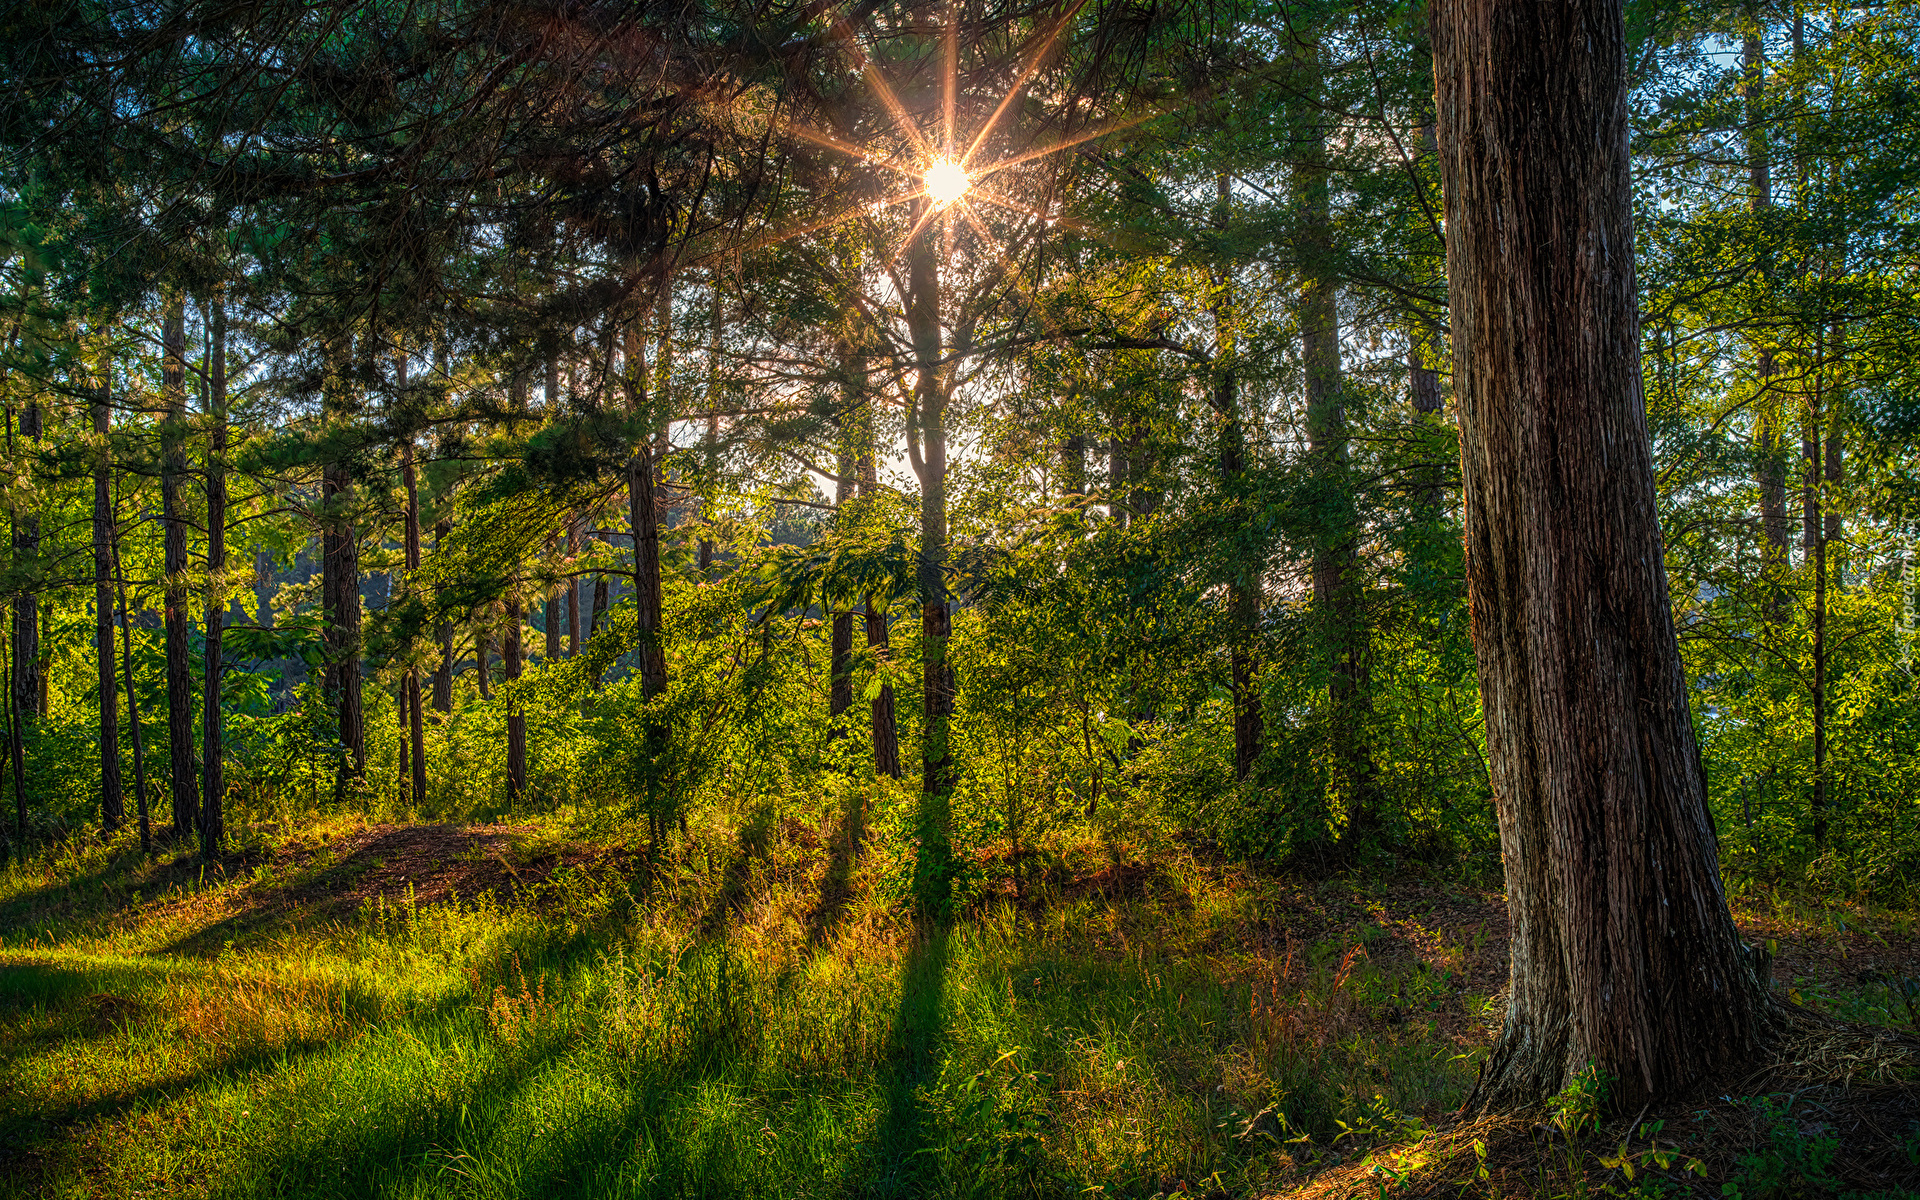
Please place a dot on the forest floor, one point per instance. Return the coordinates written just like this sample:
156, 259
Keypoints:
536, 1009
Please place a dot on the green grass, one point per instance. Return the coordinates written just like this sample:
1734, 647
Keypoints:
759, 1017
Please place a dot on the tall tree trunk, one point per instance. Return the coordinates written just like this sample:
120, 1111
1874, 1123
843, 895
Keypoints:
1624, 955
414, 727
133, 704
886, 738
644, 520
1243, 592
840, 649
1337, 585
182, 784
483, 654
1769, 451
112, 804
443, 633
213, 748
936, 624
516, 713
340, 587
1813, 540
573, 587
26, 606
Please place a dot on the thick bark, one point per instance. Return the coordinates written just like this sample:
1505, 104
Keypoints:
212, 729
182, 784
112, 803
1624, 955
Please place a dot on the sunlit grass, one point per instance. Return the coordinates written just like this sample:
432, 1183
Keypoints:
733, 1026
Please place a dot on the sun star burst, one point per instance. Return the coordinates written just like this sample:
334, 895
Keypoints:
947, 182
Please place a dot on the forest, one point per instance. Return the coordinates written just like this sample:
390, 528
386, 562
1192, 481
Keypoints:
960, 598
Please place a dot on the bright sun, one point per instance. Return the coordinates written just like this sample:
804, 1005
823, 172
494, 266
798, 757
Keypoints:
947, 181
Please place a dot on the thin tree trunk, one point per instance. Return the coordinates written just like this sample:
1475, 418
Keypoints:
340, 585
886, 738
182, 784
1337, 592
26, 607
483, 657
516, 714
1243, 592
112, 804
1624, 956
644, 520
1813, 542
840, 649
936, 623
573, 587
213, 748
443, 633
1770, 453
415, 731
133, 707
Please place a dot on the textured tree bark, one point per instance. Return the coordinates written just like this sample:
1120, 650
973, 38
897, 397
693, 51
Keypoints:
936, 623
213, 750
112, 803
182, 784
1624, 955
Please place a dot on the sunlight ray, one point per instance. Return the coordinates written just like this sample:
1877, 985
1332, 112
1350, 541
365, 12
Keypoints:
1010, 272
775, 238
926, 218
1034, 152
1026, 74
951, 84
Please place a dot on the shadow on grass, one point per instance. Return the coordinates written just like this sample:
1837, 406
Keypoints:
836, 886
900, 1166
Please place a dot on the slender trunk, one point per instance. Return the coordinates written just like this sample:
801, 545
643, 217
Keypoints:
213, 748
1769, 452
886, 738
710, 443
600, 599
573, 587
840, 651
1117, 479
1625, 959
133, 706
443, 633
340, 586
483, 656
1337, 586
550, 612
1243, 592
15, 754
1813, 542
644, 520
26, 607
112, 804
414, 731
936, 623
182, 785
516, 714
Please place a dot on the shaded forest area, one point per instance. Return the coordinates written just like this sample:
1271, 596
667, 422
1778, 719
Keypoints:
1008, 597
